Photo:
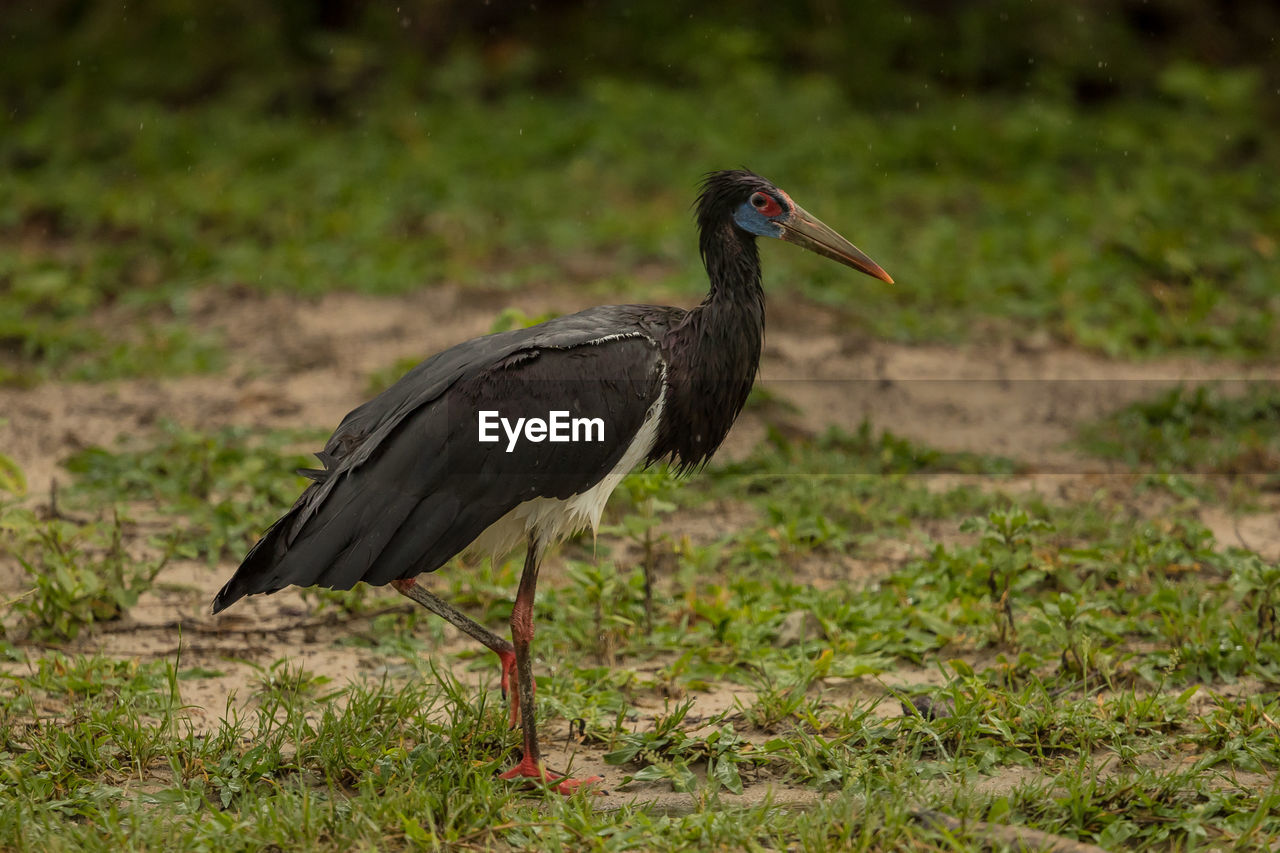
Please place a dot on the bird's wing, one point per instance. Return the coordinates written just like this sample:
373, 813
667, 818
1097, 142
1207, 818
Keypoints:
408, 484
365, 426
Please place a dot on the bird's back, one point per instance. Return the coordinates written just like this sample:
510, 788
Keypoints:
406, 485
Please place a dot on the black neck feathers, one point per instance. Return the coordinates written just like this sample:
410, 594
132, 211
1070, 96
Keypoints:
713, 355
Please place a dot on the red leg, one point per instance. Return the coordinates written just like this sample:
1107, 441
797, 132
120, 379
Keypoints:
530, 764
509, 666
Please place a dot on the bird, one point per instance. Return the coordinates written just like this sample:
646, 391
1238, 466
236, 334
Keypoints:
410, 478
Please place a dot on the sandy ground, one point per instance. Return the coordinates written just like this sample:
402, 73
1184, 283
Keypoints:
296, 364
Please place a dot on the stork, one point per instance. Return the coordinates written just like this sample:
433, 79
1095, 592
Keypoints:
409, 481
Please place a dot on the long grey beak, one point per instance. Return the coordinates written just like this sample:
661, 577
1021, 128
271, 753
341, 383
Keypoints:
807, 231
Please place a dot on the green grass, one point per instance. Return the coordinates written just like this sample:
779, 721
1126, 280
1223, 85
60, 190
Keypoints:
1053, 638
1230, 429
215, 494
1216, 443
77, 572
1133, 229
220, 490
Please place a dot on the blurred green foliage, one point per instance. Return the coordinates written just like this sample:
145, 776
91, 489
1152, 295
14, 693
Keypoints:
1095, 172
330, 55
1232, 429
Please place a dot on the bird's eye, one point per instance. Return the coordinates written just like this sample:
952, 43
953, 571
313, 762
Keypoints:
766, 204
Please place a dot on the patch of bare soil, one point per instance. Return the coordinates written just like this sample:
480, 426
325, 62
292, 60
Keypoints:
300, 363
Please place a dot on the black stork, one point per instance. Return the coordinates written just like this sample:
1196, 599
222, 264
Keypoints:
411, 478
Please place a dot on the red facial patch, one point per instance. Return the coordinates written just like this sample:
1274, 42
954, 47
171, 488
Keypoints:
766, 204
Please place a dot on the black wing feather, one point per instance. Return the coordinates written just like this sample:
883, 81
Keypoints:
407, 485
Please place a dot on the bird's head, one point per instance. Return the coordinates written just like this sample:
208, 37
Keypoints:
756, 206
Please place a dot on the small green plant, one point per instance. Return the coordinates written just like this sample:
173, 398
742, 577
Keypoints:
1067, 622
667, 752
611, 600
79, 572
776, 703
647, 493
1009, 537
1257, 582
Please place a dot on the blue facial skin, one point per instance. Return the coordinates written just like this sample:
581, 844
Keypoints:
750, 219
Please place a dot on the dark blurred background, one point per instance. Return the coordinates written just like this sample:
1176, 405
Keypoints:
1096, 174
325, 56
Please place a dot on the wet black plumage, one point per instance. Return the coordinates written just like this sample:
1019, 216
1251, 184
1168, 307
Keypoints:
406, 485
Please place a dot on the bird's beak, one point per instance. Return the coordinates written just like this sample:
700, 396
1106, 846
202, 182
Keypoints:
807, 231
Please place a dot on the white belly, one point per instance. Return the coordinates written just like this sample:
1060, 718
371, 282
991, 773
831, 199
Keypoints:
551, 519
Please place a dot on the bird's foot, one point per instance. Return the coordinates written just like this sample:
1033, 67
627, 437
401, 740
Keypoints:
527, 769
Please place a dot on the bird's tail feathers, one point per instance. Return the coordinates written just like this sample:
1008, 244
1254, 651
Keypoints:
253, 574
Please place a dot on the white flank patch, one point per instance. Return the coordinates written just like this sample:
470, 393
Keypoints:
551, 519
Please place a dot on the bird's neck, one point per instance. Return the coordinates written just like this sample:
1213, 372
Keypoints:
727, 329
714, 354
733, 266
